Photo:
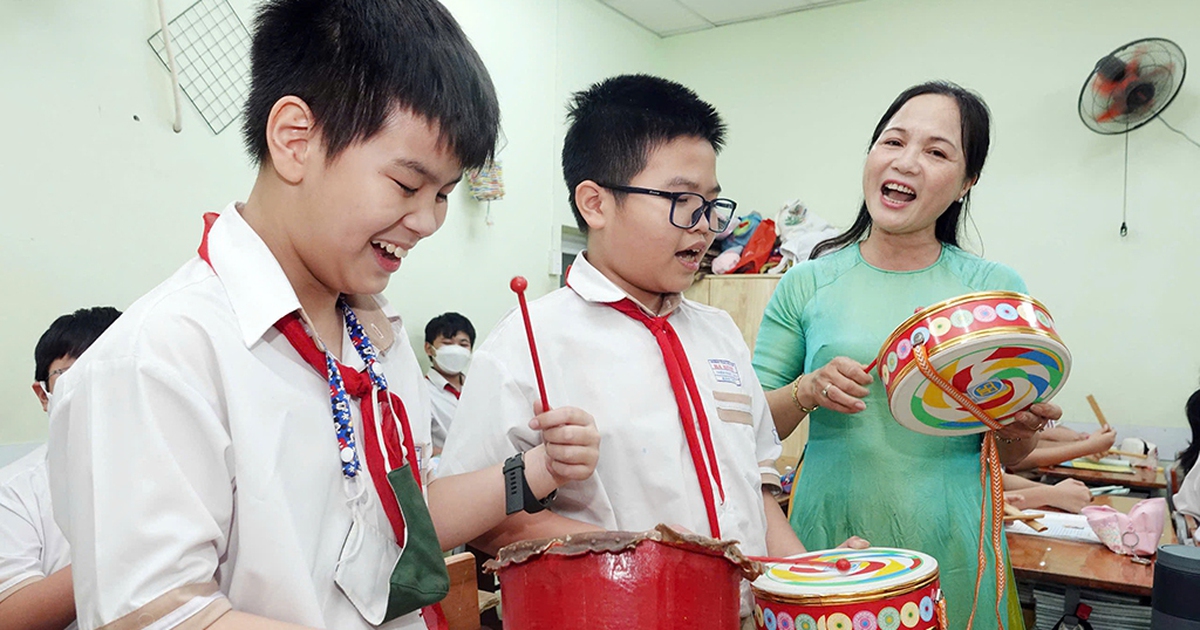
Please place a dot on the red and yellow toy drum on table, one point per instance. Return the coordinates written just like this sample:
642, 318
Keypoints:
882, 589
999, 348
622, 581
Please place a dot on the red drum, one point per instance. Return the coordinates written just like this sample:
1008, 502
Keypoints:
999, 348
882, 589
621, 581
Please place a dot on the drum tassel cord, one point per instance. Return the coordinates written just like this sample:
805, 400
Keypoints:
989, 467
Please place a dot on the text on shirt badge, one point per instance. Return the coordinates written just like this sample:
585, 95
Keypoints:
725, 371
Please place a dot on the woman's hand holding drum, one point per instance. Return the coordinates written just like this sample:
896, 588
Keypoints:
839, 385
1027, 423
1018, 438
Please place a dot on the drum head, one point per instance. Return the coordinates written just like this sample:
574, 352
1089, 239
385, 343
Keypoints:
871, 570
1004, 373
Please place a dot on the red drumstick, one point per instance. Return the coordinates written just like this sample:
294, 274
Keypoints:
518, 285
842, 565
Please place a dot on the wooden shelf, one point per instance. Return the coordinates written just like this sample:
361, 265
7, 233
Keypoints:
743, 296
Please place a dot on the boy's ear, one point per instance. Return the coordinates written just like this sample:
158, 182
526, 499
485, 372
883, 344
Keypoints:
292, 138
589, 199
428, 349
41, 394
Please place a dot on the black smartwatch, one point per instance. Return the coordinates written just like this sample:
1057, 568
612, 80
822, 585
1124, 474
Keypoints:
517, 495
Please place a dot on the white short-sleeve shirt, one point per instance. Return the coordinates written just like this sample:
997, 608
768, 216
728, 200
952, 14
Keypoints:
602, 361
443, 404
1187, 500
31, 545
193, 457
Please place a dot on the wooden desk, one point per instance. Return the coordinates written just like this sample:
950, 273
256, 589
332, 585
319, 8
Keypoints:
1081, 564
461, 605
1143, 478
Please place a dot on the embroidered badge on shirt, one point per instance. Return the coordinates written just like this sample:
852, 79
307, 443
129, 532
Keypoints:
725, 371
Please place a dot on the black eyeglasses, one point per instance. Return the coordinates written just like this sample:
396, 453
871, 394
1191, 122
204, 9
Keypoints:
688, 207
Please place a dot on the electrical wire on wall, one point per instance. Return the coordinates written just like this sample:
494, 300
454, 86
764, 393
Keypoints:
1172, 128
166, 35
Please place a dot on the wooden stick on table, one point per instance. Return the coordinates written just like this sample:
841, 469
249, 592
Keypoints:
1112, 451
1096, 410
1013, 514
1032, 516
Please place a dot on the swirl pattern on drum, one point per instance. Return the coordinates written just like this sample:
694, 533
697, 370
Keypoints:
868, 567
1002, 380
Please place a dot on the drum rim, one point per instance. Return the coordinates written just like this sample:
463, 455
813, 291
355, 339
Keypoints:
954, 301
942, 347
855, 598
949, 344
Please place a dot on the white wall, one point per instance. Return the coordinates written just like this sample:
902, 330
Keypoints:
594, 43
803, 92
538, 52
98, 208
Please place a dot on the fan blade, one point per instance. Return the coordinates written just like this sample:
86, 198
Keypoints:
1114, 110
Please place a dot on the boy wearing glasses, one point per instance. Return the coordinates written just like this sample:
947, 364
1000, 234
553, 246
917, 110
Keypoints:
686, 435
35, 563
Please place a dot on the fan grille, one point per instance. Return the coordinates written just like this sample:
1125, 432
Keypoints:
1131, 85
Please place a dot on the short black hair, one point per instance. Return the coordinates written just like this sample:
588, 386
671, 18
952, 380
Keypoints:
447, 325
615, 124
355, 61
69, 336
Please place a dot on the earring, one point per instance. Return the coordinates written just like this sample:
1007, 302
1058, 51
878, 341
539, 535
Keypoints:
960, 199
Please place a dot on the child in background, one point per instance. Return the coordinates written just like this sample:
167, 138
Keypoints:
449, 339
35, 571
1187, 457
1052, 451
1068, 495
1187, 500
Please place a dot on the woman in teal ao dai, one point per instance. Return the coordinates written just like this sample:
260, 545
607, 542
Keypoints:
864, 474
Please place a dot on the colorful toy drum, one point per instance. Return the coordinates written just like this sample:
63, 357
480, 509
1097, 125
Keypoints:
622, 580
884, 589
999, 348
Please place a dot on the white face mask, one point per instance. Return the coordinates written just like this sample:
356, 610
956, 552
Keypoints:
452, 359
49, 395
